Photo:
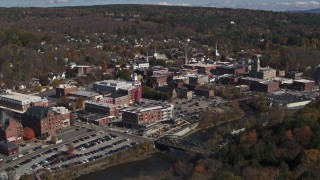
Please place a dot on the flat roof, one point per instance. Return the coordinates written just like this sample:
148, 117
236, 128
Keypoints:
303, 80
19, 96
98, 103
200, 65
83, 93
146, 108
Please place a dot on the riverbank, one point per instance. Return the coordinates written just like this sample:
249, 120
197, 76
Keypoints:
137, 153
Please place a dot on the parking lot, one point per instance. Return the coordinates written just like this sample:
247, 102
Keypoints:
191, 110
87, 148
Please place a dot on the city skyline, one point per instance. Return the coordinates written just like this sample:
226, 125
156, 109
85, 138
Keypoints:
275, 5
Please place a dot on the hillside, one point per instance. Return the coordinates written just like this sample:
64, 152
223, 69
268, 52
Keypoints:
36, 41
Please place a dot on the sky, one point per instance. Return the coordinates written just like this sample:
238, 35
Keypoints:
275, 5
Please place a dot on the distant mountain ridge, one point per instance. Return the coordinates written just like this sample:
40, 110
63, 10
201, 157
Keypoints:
315, 11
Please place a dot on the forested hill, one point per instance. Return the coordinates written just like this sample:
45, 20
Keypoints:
35, 41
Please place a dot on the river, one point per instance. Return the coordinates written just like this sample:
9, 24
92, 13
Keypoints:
163, 161
154, 163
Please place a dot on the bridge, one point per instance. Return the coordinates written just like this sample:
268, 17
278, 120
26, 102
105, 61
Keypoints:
182, 144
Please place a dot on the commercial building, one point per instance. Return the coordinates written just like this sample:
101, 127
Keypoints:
8, 148
204, 92
19, 103
303, 85
131, 88
202, 68
266, 86
83, 70
229, 79
117, 99
11, 130
260, 85
230, 70
101, 108
144, 116
63, 90
158, 80
199, 79
157, 70
184, 93
86, 95
176, 83
43, 120
97, 119
65, 115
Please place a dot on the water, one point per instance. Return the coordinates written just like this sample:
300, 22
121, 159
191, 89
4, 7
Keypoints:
164, 161
156, 162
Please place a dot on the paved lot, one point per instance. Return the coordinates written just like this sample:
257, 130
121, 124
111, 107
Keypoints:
96, 144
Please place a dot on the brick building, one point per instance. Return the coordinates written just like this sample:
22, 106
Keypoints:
143, 116
131, 88
44, 121
184, 93
158, 80
230, 70
204, 92
11, 131
202, 68
199, 79
18, 103
266, 86
65, 115
63, 90
177, 83
101, 108
8, 148
229, 79
117, 99
303, 85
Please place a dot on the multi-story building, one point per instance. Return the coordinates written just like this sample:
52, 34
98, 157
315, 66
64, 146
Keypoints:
18, 103
87, 95
230, 70
63, 90
204, 92
10, 130
158, 80
184, 93
131, 88
144, 116
101, 108
83, 70
199, 79
117, 99
157, 70
43, 120
202, 68
8, 148
65, 115
303, 84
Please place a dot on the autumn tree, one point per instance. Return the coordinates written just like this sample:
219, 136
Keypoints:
28, 133
125, 74
70, 149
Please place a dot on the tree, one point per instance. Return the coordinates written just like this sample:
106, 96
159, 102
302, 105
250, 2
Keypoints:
28, 133
44, 81
125, 74
55, 83
70, 148
54, 139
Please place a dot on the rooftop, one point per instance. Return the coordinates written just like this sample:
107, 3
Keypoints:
146, 108
303, 80
97, 103
83, 93
23, 98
